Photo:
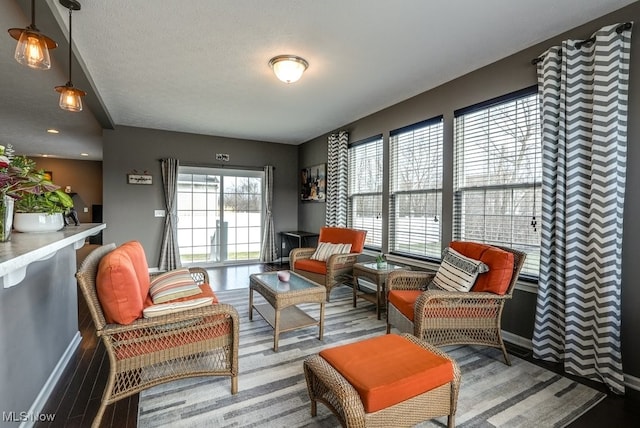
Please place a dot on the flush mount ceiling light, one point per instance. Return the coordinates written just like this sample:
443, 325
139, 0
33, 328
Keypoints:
33, 46
288, 68
70, 97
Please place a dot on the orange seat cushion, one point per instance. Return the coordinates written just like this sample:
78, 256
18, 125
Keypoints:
404, 300
308, 265
387, 370
500, 264
118, 289
343, 235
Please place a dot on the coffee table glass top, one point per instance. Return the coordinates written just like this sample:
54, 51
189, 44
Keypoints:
387, 267
295, 283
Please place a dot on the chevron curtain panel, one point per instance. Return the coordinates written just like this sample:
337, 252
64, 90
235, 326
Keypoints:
337, 167
583, 87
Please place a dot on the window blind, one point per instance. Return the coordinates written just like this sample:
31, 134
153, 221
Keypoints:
416, 189
497, 174
365, 189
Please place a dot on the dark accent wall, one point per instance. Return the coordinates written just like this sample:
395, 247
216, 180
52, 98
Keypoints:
507, 75
84, 177
128, 209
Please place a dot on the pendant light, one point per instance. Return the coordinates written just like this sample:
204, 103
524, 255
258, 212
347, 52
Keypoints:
288, 68
33, 46
70, 97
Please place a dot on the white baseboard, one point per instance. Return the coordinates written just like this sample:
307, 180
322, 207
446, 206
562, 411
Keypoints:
631, 382
33, 415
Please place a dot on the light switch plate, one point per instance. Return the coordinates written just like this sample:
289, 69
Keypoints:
158, 213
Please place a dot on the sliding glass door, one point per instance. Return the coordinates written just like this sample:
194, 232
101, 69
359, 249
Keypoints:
219, 215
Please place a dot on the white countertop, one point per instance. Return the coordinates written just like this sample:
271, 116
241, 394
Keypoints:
26, 248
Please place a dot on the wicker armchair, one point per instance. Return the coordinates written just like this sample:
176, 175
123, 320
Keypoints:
151, 351
450, 318
337, 267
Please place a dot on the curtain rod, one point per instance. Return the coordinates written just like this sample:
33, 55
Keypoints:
619, 29
222, 166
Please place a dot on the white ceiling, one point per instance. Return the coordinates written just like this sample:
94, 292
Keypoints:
200, 66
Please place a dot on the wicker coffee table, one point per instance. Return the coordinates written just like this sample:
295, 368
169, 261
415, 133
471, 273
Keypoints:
281, 311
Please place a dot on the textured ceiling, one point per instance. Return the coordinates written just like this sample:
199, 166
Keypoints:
200, 66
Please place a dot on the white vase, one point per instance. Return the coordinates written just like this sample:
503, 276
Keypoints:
37, 222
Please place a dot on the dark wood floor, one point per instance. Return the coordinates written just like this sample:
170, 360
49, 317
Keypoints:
76, 398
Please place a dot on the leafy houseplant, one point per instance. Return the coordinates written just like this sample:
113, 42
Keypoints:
381, 261
29, 189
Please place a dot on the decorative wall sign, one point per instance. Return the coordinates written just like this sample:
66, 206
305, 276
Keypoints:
139, 179
314, 183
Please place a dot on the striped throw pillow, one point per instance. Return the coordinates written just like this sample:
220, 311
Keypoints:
173, 285
173, 307
327, 249
457, 272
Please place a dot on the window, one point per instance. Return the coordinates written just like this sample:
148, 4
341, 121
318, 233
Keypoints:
497, 174
416, 189
219, 214
365, 189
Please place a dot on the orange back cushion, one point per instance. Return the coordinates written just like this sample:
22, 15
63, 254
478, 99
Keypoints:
500, 264
136, 255
388, 369
343, 235
118, 288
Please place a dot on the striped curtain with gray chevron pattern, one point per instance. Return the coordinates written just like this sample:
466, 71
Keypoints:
337, 167
583, 88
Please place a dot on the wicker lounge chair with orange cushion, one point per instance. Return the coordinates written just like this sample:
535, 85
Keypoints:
155, 330
445, 317
337, 252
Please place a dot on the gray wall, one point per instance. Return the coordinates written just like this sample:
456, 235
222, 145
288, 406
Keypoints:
128, 209
510, 74
38, 320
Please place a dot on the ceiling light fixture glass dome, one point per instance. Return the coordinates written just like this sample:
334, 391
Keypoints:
288, 68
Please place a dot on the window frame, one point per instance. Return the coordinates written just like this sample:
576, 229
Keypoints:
528, 191
395, 192
377, 231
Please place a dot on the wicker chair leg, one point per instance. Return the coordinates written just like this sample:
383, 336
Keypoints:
234, 385
314, 408
504, 351
98, 418
451, 421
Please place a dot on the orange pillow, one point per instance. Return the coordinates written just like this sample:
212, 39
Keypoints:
500, 264
139, 259
118, 288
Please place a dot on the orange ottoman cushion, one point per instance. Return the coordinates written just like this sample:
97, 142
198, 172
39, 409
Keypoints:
404, 301
388, 370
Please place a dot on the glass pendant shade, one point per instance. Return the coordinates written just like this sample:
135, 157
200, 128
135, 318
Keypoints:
33, 46
70, 97
288, 68
33, 50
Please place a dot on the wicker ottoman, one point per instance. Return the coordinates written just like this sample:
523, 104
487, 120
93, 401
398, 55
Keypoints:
390, 380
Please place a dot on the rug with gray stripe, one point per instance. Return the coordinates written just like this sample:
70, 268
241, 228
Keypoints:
272, 390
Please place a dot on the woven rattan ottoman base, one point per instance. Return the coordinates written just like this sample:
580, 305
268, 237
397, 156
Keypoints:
326, 385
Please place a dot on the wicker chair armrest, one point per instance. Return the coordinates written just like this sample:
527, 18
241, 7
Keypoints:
408, 280
299, 254
200, 275
172, 319
457, 296
341, 261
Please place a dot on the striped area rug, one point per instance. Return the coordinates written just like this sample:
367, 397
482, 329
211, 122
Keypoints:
272, 390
